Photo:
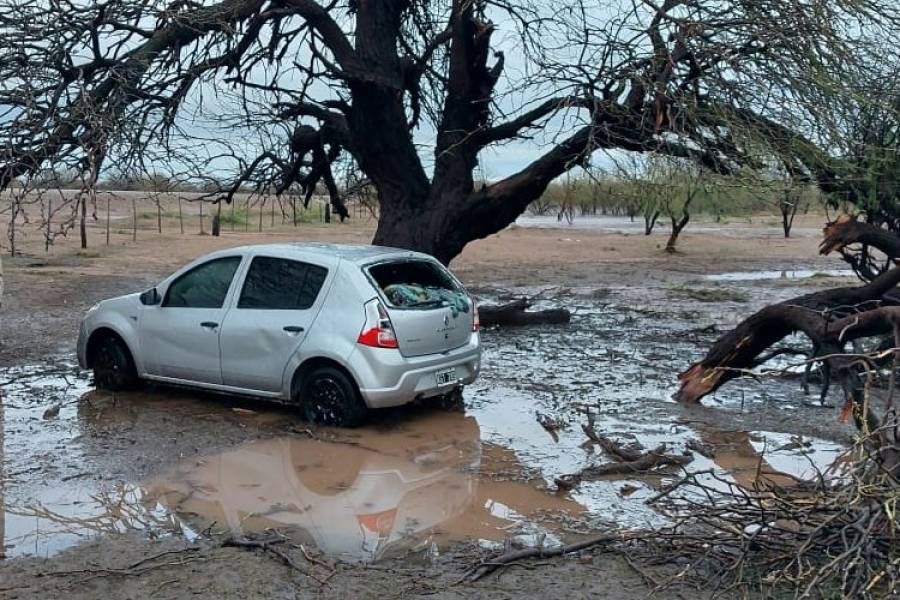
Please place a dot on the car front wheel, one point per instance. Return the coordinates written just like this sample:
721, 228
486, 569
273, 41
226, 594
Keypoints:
330, 398
113, 366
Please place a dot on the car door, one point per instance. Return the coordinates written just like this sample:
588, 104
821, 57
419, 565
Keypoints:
179, 338
278, 303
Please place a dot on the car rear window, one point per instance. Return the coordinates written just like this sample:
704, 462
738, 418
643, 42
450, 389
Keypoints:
281, 284
415, 283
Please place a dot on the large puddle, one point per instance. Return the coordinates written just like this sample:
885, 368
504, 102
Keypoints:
416, 481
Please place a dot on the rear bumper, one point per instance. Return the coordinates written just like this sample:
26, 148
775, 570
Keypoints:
387, 378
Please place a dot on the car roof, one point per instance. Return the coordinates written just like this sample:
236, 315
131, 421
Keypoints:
355, 253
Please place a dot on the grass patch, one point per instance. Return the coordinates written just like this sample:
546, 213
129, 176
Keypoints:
707, 294
238, 217
88, 254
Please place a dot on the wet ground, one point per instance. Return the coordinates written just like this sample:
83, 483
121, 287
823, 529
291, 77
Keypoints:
80, 463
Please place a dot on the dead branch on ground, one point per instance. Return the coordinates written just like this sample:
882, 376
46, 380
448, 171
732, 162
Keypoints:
488, 566
270, 545
627, 461
832, 537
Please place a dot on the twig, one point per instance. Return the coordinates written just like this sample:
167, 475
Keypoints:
268, 545
487, 567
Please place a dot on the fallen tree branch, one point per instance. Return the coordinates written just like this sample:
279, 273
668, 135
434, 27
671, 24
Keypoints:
846, 230
269, 545
822, 316
516, 313
614, 449
629, 460
488, 566
855, 241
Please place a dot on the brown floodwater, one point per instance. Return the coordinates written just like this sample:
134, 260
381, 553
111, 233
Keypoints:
408, 488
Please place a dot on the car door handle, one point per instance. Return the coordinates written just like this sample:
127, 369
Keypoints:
209, 324
293, 328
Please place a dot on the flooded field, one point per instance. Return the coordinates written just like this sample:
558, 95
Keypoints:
79, 464
738, 227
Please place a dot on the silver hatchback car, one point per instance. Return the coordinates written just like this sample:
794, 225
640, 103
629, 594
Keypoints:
335, 329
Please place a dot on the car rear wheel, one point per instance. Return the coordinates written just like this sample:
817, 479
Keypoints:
113, 366
329, 397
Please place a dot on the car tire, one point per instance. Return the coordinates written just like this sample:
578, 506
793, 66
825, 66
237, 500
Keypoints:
114, 368
328, 397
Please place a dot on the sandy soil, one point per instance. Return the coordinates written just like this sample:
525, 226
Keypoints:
151, 509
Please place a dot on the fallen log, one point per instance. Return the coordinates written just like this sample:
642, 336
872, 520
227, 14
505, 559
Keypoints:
516, 313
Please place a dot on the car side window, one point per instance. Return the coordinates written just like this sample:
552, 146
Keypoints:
204, 286
281, 284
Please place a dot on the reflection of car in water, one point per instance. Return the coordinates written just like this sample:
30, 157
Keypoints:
356, 499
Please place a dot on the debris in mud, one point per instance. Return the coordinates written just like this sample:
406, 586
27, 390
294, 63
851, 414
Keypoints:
274, 544
654, 459
705, 450
488, 566
551, 425
796, 539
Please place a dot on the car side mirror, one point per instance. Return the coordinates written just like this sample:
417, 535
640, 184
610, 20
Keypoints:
151, 297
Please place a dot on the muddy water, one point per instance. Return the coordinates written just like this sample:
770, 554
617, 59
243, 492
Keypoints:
417, 480
411, 485
360, 498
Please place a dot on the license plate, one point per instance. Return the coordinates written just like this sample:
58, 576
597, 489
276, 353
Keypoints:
446, 376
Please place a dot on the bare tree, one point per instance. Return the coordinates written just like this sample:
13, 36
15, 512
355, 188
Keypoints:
675, 184
280, 89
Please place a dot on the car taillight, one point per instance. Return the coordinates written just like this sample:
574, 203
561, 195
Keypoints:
476, 320
377, 331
